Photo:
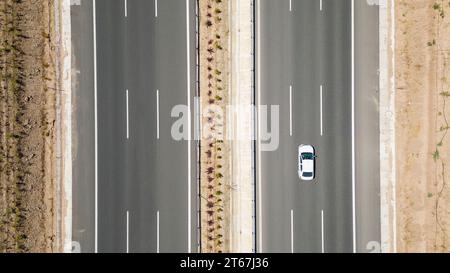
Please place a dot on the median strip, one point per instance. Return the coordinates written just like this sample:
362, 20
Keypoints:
215, 157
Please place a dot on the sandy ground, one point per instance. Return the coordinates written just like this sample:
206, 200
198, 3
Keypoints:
215, 148
28, 89
423, 144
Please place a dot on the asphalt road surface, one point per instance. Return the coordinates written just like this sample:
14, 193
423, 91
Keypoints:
134, 185
304, 63
83, 190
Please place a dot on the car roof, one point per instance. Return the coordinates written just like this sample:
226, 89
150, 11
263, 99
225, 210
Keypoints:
308, 165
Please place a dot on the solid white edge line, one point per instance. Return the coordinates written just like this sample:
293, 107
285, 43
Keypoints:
157, 231
128, 115
66, 135
292, 231
126, 8
353, 127
321, 110
258, 29
156, 8
290, 110
157, 114
322, 229
189, 121
128, 231
96, 126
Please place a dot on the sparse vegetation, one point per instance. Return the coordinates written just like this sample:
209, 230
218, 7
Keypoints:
422, 144
25, 124
442, 73
215, 57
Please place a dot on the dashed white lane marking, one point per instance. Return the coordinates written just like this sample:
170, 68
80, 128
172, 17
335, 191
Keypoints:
290, 5
126, 8
321, 110
156, 8
157, 231
128, 115
292, 231
128, 231
157, 114
323, 237
321, 5
290, 110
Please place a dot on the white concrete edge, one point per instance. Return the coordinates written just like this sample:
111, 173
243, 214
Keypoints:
234, 83
240, 127
259, 225
387, 127
63, 9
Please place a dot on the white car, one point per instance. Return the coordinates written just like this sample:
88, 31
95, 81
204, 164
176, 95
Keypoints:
306, 162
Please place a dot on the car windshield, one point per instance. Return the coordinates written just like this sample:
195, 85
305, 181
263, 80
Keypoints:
307, 174
307, 156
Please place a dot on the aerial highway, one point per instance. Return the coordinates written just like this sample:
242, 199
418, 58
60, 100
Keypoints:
134, 185
318, 60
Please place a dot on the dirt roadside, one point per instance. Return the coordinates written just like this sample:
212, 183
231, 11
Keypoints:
27, 123
422, 114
